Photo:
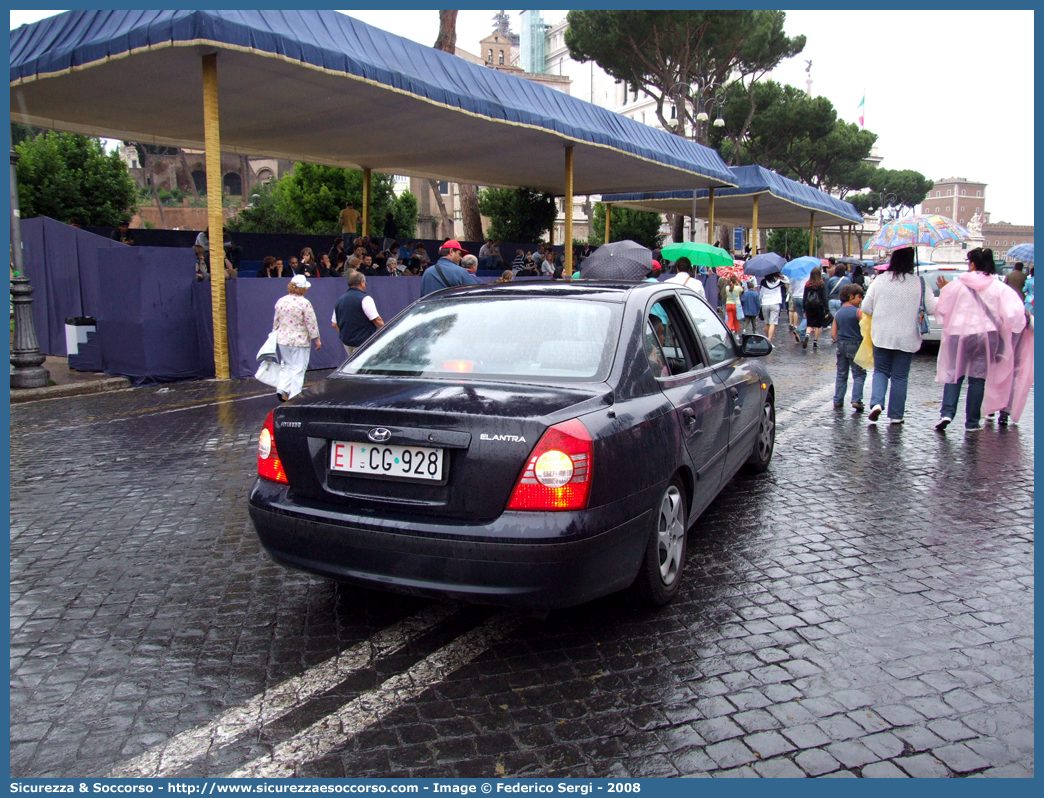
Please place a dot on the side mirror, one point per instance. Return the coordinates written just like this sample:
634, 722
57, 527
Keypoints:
755, 345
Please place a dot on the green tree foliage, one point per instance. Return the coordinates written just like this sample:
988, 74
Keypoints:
909, 187
68, 176
642, 227
310, 201
404, 211
791, 242
265, 215
314, 196
656, 50
796, 135
517, 214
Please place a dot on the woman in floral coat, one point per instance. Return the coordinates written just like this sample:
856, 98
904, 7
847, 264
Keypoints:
296, 327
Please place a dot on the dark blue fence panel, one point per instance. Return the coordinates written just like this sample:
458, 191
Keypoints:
147, 321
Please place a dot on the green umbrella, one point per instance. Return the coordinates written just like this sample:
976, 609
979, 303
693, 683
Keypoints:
698, 254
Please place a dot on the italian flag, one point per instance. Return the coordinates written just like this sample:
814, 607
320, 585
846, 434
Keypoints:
862, 110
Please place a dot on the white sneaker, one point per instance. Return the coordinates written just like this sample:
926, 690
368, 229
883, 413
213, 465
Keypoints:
944, 422
896, 420
875, 412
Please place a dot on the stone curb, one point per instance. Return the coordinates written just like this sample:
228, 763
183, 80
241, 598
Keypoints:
71, 389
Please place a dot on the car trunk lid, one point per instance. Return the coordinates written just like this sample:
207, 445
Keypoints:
484, 430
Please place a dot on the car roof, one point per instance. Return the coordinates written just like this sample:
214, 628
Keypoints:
602, 290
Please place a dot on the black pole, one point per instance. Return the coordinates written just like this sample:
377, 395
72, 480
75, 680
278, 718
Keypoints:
25, 350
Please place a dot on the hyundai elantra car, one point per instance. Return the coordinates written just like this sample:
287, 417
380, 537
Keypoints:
534, 445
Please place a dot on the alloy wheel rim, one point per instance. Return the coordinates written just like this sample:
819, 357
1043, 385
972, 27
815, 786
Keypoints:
670, 535
767, 434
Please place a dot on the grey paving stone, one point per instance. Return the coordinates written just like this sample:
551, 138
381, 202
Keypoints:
883, 770
923, 766
768, 744
816, 762
806, 736
779, 768
840, 727
950, 730
960, 758
716, 729
730, 753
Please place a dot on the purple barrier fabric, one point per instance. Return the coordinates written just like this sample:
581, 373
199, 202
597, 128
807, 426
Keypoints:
251, 305
202, 305
62, 264
87, 247
146, 320
50, 262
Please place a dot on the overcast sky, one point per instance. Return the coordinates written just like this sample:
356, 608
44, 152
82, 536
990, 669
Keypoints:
949, 93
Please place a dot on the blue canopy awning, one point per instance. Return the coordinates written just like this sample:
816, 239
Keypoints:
320, 86
784, 202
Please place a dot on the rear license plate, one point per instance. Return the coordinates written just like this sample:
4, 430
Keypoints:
385, 460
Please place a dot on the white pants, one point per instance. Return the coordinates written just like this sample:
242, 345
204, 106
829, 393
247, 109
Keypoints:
295, 363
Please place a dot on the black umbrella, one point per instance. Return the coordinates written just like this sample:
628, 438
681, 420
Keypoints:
620, 260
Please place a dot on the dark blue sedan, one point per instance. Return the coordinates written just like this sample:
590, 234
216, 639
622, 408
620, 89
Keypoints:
534, 445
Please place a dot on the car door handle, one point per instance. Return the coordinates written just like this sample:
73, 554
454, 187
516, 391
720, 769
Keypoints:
734, 392
690, 417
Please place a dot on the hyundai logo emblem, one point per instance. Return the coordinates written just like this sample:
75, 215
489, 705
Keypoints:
379, 435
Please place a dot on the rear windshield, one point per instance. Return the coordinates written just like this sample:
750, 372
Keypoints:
520, 337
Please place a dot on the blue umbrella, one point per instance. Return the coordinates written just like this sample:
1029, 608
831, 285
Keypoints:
764, 264
1023, 252
801, 267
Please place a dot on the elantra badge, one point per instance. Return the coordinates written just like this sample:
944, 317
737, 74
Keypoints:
379, 435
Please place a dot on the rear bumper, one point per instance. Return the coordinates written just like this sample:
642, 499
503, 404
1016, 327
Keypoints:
565, 559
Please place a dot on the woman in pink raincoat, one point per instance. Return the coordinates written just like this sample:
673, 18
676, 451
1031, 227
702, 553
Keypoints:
983, 320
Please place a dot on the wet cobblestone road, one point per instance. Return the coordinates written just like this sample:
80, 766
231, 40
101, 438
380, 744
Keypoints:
865, 608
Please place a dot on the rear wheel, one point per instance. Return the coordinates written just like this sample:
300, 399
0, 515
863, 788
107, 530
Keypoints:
765, 442
659, 576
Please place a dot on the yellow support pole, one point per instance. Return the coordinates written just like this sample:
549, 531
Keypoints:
812, 233
215, 214
710, 217
692, 219
366, 203
754, 228
608, 214
568, 260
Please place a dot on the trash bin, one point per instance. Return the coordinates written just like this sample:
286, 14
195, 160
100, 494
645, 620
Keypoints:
76, 329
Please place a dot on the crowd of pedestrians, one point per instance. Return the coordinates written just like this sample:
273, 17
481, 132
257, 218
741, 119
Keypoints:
876, 324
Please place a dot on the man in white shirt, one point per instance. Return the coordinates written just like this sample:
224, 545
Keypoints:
798, 322
355, 315
685, 277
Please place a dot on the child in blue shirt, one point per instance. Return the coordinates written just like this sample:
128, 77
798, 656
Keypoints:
750, 301
846, 334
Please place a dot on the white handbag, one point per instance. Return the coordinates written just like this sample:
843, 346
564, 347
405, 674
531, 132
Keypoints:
268, 373
269, 349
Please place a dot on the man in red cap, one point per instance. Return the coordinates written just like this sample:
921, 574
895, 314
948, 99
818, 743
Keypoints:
447, 272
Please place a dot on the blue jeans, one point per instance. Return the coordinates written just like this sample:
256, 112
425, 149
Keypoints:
846, 351
834, 305
891, 365
799, 308
973, 405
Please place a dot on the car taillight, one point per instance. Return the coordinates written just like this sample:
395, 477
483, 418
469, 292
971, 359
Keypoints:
557, 475
269, 466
